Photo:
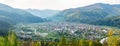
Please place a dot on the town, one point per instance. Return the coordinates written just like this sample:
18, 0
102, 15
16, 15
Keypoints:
67, 29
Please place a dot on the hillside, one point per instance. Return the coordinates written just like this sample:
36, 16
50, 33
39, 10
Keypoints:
10, 16
14, 15
89, 14
4, 27
110, 21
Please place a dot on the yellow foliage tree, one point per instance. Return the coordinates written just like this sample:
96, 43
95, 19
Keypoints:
2, 41
110, 33
113, 41
63, 42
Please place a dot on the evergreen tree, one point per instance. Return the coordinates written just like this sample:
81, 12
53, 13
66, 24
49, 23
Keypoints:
63, 42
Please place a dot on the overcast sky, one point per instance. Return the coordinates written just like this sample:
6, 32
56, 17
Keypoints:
53, 4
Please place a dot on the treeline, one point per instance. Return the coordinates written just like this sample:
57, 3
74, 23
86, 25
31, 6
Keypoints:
12, 40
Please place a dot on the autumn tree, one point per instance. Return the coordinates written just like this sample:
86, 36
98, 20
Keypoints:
113, 41
110, 33
2, 41
12, 39
63, 42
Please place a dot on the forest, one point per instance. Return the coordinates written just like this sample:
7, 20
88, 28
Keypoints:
12, 40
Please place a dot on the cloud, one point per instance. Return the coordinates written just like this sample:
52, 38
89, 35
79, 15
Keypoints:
9, 1
54, 4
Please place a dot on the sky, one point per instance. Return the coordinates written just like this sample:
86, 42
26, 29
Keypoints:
54, 4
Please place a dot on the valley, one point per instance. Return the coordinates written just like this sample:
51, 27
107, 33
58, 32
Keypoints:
60, 29
93, 25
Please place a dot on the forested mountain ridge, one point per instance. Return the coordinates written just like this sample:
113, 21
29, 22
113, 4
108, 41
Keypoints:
10, 16
17, 15
89, 14
110, 21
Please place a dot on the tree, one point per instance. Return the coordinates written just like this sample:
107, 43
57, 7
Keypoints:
12, 39
91, 43
2, 41
113, 41
110, 33
105, 43
63, 42
82, 43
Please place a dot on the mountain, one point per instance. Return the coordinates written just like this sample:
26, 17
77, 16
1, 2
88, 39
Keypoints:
43, 13
110, 21
14, 15
88, 14
10, 16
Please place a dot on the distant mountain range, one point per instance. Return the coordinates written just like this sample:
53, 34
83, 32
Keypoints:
43, 13
97, 14
93, 14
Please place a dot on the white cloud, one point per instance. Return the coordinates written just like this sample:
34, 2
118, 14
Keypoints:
54, 4
7, 1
